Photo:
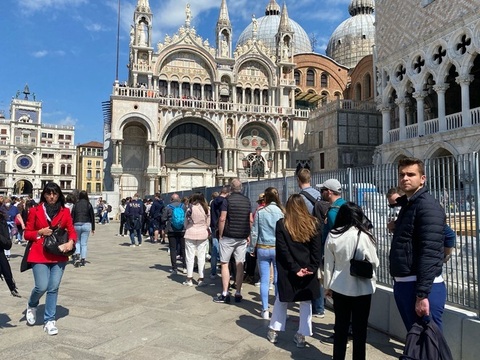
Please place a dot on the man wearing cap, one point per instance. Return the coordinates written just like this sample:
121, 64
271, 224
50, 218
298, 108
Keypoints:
330, 191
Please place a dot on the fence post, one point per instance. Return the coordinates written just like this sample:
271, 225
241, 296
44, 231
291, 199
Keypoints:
476, 202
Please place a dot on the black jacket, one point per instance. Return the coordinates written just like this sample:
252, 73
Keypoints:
417, 245
82, 212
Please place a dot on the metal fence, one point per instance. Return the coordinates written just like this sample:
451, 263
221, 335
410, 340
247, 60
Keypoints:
452, 181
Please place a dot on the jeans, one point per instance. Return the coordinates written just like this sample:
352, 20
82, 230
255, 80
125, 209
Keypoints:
214, 257
105, 219
357, 308
266, 257
47, 279
83, 232
405, 297
200, 247
132, 236
279, 317
318, 305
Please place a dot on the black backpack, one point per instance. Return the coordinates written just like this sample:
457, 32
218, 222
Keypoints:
425, 341
320, 207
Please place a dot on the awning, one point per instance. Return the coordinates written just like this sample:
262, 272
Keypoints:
308, 97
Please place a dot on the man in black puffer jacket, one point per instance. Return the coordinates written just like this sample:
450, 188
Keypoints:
416, 254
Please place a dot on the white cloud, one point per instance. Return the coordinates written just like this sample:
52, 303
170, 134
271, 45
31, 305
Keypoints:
40, 53
31, 6
95, 27
69, 121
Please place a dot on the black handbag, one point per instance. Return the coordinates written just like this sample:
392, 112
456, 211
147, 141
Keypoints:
360, 268
58, 237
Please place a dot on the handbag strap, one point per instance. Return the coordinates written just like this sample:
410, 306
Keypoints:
356, 246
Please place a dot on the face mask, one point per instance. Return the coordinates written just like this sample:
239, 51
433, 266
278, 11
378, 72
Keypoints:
7, 204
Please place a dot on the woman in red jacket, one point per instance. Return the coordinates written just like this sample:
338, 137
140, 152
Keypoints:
47, 268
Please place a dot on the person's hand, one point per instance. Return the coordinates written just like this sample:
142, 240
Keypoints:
304, 272
422, 307
68, 246
45, 231
328, 293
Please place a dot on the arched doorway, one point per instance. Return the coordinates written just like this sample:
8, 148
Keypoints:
23, 187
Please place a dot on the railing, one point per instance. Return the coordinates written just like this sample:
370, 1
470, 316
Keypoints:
454, 121
431, 126
452, 181
412, 131
394, 135
339, 104
475, 114
197, 104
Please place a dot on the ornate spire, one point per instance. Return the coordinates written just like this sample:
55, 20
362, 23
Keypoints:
360, 7
223, 18
26, 91
143, 6
272, 8
284, 25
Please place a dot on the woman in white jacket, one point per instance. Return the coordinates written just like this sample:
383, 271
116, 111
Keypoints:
351, 295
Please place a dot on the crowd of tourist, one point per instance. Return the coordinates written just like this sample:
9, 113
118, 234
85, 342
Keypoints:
315, 247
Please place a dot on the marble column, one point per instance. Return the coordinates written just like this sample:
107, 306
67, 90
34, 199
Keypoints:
440, 89
401, 113
464, 82
420, 97
386, 122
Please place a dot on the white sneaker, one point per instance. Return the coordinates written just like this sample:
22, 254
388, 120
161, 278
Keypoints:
184, 270
265, 315
132, 245
299, 340
50, 328
272, 336
188, 283
31, 315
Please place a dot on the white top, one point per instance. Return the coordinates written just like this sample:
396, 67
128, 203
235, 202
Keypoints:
339, 250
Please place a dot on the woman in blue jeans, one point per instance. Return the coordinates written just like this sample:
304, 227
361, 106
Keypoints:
84, 223
262, 240
47, 267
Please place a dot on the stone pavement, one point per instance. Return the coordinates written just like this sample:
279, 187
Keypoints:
125, 305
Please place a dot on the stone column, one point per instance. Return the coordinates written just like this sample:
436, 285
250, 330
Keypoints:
386, 119
162, 155
420, 97
401, 113
464, 82
440, 89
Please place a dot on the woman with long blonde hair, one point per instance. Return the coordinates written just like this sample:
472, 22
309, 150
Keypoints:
297, 251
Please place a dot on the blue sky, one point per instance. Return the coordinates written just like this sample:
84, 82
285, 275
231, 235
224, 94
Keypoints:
65, 50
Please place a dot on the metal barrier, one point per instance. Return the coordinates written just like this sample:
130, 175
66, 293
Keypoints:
452, 181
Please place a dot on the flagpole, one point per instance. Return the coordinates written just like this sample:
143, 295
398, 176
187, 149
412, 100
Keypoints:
118, 42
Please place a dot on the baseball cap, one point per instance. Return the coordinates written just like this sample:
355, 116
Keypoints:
261, 197
331, 184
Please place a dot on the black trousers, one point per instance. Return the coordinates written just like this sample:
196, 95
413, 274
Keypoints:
174, 239
6, 271
358, 309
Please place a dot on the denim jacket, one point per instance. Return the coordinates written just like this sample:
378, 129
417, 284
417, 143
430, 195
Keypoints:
264, 223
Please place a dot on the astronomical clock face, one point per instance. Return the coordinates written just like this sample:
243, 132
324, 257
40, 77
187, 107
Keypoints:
24, 162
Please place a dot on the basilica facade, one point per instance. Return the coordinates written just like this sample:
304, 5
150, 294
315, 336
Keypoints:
194, 113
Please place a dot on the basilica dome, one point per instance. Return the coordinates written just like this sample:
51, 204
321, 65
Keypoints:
268, 28
353, 39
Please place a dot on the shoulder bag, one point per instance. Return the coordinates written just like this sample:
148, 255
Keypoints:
360, 268
58, 237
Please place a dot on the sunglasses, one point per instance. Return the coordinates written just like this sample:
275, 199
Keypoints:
323, 189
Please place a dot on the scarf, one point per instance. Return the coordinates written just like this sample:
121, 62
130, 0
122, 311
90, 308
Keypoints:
52, 209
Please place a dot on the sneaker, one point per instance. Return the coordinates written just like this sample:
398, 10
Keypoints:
173, 271
140, 244
299, 340
50, 328
31, 315
213, 276
265, 315
222, 299
257, 284
272, 336
76, 263
188, 283
132, 245
238, 298
319, 315
201, 283
208, 257
184, 270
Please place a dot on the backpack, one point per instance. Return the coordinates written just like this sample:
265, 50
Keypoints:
320, 207
178, 217
109, 208
5, 239
425, 341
